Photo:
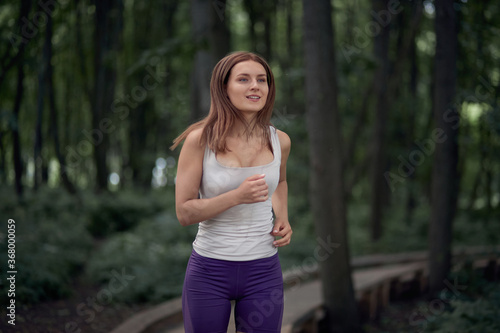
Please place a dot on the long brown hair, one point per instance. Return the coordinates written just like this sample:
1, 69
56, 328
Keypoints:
223, 113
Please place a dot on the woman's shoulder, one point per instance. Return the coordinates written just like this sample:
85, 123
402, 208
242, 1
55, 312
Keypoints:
193, 139
284, 139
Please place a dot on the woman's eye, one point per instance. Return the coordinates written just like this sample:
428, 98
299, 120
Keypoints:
241, 80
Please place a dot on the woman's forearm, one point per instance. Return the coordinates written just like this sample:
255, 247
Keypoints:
198, 210
280, 201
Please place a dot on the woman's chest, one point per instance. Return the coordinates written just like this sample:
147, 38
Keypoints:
245, 154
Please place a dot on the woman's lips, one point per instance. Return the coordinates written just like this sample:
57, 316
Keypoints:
253, 98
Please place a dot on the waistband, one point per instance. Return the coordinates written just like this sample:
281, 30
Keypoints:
196, 255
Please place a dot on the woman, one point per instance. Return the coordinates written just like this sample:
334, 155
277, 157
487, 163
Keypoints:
231, 177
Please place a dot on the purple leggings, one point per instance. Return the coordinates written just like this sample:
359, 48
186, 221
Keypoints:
210, 284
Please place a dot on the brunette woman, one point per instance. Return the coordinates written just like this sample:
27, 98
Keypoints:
231, 178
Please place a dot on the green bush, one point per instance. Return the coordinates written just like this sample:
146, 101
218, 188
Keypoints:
121, 211
470, 229
154, 254
52, 243
398, 234
480, 315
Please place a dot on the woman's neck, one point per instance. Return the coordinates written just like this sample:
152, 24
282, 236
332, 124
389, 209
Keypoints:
248, 130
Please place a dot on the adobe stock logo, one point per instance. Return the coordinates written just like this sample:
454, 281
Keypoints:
437, 306
484, 93
31, 27
93, 305
371, 29
415, 158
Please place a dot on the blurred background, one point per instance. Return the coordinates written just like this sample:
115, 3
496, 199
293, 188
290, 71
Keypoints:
92, 93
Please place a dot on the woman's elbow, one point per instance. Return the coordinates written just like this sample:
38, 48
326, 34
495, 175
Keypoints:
181, 217
184, 217
183, 220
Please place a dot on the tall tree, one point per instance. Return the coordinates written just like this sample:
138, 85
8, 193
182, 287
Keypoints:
107, 41
54, 128
379, 140
444, 186
200, 75
142, 110
411, 200
42, 81
18, 40
220, 36
164, 126
211, 39
16, 138
260, 13
40, 164
25, 6
3, 176
326, 180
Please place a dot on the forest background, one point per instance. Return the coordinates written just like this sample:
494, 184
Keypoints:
92, 93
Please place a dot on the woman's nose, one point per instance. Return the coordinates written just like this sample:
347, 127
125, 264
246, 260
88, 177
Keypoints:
254, 84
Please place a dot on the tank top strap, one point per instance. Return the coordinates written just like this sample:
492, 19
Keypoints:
275, 141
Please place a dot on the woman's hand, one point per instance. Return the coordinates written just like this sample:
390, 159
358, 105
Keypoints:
253, 189
282, 229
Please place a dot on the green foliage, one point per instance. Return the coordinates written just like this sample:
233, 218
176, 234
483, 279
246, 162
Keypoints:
155, 253
477, 227
53, 239
52, 243
476, 314
112, 212
400, 235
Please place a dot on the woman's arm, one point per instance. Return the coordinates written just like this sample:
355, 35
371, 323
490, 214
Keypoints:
282, 226
189, 208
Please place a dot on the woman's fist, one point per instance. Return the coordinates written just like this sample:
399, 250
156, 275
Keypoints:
253, 189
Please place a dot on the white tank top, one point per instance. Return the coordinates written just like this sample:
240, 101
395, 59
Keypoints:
242, 232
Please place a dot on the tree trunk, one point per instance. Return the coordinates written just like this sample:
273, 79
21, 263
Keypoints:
16, 140
40, 164
137, 131
3, 171
326, 184
379, 148
220, 36
82, 64
212, 40
411, 201
163, 128
260, 13
269, 9
286, 59
486, 166
251, 9
444, 186
18, 40
37, 151
109, 24
201, 12
141, 171
9, 62
54, 128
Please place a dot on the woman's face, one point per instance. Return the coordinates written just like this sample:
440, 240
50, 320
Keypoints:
247, 86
